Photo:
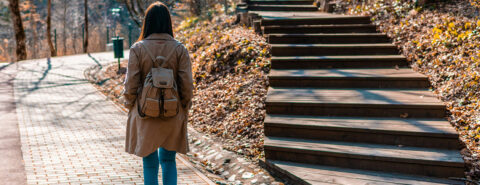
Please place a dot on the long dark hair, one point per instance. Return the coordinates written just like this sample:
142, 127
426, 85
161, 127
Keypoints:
157, 20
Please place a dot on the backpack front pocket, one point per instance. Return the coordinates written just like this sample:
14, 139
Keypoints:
171, 107
152, 107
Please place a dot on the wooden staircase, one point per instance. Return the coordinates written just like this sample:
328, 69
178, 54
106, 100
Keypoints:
344, 108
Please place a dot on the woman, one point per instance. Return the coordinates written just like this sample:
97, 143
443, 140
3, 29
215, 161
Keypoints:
157, 139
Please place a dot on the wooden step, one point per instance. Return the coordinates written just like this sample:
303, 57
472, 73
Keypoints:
334, 28
331, 38
355, 61
281, 2
316, 20
400, 78
387, 158
354, 102
428, 133
333, 49
298, 173
258, 7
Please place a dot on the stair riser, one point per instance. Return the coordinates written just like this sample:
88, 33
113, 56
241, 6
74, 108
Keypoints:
360, 162
332, 51
396, 111
273, 39
363, 136
354, 29
280, 2
348, 83
307, 21
322, 64
281, 173
273, 8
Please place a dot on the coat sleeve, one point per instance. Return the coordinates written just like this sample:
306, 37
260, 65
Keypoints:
185, 81
132, 79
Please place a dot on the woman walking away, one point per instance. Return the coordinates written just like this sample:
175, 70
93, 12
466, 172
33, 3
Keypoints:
158, 92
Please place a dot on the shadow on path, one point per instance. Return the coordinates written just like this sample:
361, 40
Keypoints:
44, 75
5, 66
95, 60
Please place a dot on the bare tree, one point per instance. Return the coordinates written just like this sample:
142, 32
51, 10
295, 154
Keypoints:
64, 39
49, 29
85, 42
33, 22
136, 8
21, 50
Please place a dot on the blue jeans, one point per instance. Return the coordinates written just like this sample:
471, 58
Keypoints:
169, 167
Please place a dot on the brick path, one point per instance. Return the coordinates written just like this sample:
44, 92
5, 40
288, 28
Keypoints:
12, 170
70, 133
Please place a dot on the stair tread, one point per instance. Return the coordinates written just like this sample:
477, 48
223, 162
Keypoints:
339, 57
336, 45
317, 174
353, 96
418, 127
324, 34
320, 26
401, 73
418, 155
324, 17
289, 14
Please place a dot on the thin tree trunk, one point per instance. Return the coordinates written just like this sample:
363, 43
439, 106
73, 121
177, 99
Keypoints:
74, 41
64, 27
34, 32
49, 29
140, 7
21, 50
132, 15
85, 42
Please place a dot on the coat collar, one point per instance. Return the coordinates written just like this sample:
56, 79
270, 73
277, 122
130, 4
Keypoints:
159, 36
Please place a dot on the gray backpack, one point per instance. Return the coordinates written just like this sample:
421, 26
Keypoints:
159, 95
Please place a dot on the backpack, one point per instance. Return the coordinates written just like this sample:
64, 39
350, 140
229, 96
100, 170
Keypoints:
159, 95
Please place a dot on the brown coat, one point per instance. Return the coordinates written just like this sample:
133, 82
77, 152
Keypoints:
144, 136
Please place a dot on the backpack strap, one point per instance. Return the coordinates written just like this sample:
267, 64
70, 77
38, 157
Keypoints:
153, 57
148, 51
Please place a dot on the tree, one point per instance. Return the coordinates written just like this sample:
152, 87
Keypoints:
64, 38
136, 8
85, 41
49, 29
33, 16
21, 50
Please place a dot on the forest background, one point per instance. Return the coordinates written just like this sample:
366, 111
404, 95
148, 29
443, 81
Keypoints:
105, 19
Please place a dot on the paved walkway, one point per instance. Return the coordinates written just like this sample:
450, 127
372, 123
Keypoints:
70, 133
12, 170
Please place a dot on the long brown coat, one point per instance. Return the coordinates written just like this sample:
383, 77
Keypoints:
144, 136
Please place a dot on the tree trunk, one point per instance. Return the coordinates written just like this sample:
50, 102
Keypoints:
34, 32
49, 29
64, 40
131, 13
21, 50
64, 34
85, 42
74, 41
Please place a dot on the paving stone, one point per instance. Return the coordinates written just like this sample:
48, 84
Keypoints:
70, 132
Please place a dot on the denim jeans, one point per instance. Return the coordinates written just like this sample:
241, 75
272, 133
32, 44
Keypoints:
169, 167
